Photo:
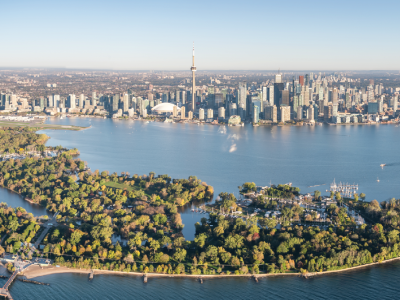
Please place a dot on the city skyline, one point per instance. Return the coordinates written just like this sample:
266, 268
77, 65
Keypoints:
261, 35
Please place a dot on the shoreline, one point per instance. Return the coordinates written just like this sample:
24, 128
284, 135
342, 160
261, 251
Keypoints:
36, 271
202, 123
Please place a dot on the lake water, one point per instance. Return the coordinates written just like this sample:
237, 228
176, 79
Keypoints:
226, 157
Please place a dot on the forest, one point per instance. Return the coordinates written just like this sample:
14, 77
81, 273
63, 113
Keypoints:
96, 208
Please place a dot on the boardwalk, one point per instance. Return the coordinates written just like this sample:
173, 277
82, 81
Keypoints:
19, 266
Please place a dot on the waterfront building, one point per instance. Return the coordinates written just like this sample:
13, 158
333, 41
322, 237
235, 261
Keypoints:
380, 105
316, 112
81, 100
183, 113
310, 111
300, 113
50, 100
201, 114
94, 99
271, 113
190, 115
242, 97
210, 113
71, 101
373, 107
125, 103
284, 113
327, 113
115, 102
56, 100
232, 109
234, 120
221, 113
256, 114
336, 119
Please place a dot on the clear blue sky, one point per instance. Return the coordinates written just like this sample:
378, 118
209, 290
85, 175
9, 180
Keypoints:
228, 35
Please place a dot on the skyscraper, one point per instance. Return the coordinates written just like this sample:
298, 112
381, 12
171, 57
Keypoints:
242, 97
81, 100
301, 80
71, 101
285, 97
279, 86
193, 68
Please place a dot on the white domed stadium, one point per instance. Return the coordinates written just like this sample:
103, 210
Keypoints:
163, 108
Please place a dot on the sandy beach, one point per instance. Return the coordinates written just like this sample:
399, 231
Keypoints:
36, 271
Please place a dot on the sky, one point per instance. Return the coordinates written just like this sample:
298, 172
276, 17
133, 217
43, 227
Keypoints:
228, 35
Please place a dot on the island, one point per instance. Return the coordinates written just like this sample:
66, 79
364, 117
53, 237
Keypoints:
107, 222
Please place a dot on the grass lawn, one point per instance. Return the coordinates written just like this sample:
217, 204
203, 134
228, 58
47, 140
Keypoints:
122, 186
39, 126
117, 185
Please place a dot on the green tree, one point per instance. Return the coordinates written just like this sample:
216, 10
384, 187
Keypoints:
180, 254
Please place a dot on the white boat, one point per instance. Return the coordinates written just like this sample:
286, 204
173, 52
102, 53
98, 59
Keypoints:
382, 165
377, 180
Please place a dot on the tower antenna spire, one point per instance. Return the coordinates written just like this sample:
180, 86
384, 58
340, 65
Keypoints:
193, 69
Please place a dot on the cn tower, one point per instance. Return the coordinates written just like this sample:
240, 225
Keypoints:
193, 68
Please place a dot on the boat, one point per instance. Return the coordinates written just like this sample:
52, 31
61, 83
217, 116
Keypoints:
382, 165
377, 180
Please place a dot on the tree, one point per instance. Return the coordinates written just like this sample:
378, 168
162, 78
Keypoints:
76, 237
362, 196
13, 226
393, 235
180, 254
317, 194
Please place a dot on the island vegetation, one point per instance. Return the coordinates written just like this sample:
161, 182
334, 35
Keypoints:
131, 223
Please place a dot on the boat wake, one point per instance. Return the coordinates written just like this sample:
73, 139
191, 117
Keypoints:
316, 185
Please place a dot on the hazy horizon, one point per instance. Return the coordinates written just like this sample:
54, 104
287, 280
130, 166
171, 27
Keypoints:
228, 35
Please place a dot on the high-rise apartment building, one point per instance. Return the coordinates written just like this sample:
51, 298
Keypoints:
285, 113
271, 113
210, 113
201, 114
81, 100
71, 101
242, 97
